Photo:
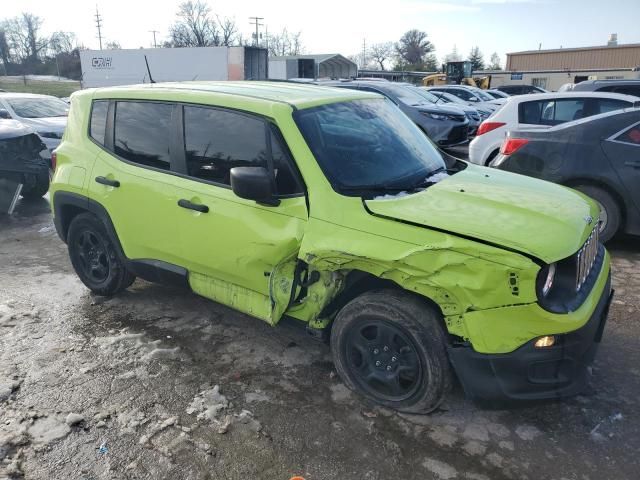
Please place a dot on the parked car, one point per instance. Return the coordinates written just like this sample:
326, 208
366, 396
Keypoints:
521, 89
446, 125
444, 97
47, 115
497, 93
471, 113
24, 158
472, 95
599, 156
626, 87
331, 206
541, 111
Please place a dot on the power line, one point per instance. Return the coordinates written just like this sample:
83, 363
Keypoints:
99, 25
155, 45
256, 21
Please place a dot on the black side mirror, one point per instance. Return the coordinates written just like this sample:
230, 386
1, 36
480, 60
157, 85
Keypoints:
5, 114
253, 183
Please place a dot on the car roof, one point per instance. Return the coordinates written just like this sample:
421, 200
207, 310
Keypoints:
572, 94
299, 95
23, 95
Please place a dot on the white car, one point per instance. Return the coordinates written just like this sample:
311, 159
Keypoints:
473, 96
47, 115
540, 111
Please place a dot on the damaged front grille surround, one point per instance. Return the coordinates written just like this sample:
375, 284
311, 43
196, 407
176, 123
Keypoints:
586, 257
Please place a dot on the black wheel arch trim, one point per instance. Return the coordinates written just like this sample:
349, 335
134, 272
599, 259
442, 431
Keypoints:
67, 205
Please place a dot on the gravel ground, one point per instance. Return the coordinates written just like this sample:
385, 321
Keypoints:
159, 383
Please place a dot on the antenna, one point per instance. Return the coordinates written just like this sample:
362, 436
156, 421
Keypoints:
151, 80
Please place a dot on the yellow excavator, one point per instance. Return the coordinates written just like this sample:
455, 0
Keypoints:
457, 73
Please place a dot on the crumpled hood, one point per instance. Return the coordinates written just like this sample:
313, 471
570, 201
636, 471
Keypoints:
532, 216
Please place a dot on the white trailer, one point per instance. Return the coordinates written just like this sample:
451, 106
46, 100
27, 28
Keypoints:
104, 68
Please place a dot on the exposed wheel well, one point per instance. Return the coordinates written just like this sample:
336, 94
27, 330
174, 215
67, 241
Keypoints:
359, 282
67, 213
575, 182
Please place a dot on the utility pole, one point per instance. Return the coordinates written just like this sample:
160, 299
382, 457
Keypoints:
364, 52
99, 25
155, 45
256, 21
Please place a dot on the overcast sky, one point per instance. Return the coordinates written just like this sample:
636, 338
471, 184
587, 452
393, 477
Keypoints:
330, 26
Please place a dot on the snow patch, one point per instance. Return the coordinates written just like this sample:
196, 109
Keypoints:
527, 432
437, 177
48, 429
441, 470
391, 197
208, 404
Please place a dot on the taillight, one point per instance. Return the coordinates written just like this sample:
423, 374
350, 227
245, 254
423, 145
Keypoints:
54, 160
488, 126
510, 145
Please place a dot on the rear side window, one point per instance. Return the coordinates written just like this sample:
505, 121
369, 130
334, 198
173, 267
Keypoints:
98, 120
630, 136
625, 89
604, 105
143, 133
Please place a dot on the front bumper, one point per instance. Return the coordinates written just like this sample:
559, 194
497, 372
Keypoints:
529, 373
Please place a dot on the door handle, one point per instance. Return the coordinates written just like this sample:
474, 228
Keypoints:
632, 163
107, 182
193, 206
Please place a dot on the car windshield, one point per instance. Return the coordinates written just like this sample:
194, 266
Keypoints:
482, 95
39, 107
405, 94
430, 97
366, 146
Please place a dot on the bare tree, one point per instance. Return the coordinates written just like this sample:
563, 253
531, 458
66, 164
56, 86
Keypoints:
285, 43
5, 53
62, 42
195, 26
228, 30
495, 62
453, 56
23, 37
381, 52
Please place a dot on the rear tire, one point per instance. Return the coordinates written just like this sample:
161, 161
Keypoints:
94, 257
390, 347
609, 210
38, 188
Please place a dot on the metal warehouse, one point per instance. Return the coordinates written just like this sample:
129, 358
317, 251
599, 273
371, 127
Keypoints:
551, 69
330, 65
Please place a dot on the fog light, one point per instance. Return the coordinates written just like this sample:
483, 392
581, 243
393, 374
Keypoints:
545, 342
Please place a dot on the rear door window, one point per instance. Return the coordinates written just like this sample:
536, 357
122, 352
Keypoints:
143, 132
551, 112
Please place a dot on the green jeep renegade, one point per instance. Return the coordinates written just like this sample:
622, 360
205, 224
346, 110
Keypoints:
331, 207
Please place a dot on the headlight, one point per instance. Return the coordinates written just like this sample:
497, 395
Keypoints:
50, 134
444, 116
545, 279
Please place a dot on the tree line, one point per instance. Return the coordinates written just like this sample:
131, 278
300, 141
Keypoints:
414, 51
24, 49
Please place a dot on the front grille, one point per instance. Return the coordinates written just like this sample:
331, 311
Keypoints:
586, 257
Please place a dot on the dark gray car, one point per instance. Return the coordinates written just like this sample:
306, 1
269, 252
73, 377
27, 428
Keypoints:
599, 155
24, 158
628, 87
446, 126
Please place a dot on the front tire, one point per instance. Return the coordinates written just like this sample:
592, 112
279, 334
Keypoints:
609, 210
390, 347
94, 257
